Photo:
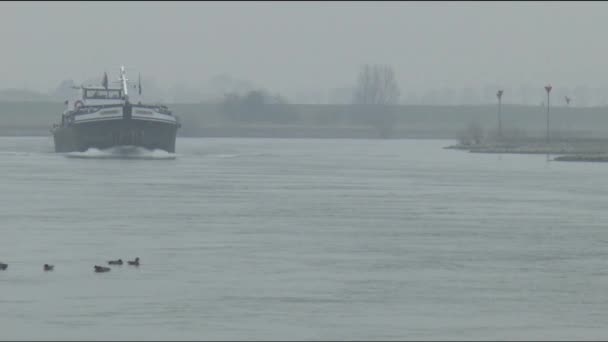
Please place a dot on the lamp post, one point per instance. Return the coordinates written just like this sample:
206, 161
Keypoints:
548, 89
499, 96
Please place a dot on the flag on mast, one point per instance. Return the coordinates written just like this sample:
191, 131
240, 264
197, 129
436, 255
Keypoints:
105, 80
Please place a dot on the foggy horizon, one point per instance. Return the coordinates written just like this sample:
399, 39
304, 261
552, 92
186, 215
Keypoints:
307, 50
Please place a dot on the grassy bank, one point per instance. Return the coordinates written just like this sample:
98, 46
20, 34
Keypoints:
582, 150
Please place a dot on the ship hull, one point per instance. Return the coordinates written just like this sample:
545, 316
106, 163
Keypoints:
79, 137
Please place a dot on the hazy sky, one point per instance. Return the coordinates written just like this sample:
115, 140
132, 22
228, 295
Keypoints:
291, 46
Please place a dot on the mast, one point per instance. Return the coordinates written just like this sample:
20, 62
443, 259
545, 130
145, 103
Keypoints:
123, 80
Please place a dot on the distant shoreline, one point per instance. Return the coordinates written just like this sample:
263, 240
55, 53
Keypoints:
339, 121
267, 131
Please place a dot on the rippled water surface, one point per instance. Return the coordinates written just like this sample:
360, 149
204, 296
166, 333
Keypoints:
264, 239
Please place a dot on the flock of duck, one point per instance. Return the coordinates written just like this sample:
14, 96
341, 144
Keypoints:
96, 268
100, 269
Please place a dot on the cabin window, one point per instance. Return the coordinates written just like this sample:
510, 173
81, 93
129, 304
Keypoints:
103, 94
114, 94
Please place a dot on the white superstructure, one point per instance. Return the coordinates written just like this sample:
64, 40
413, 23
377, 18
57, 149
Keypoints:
103, 103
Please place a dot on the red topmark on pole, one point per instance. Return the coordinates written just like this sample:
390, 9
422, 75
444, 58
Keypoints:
548, 88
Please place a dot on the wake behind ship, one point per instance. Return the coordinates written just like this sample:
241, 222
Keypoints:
104, 117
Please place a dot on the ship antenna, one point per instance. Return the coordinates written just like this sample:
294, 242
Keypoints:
123, 79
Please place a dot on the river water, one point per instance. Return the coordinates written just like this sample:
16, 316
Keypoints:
280, 239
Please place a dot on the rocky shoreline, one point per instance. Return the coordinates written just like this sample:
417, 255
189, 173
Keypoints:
603, 158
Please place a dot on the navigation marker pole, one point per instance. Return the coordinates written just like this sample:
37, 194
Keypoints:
499, 96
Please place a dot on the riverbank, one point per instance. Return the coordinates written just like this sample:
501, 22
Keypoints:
337, 121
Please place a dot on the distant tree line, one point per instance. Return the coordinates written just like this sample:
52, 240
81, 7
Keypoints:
257, 106
375, 98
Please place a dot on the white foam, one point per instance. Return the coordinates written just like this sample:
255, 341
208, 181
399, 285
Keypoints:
226, 155
122, 152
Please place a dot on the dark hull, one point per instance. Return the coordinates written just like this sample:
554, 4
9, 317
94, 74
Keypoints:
110, 133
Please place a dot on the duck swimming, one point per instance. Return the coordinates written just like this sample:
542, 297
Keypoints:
115, 262
48, 267
3, 266
100, 269
134, 263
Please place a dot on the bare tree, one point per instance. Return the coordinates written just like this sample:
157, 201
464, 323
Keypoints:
376, 85
376, 94
473, 134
